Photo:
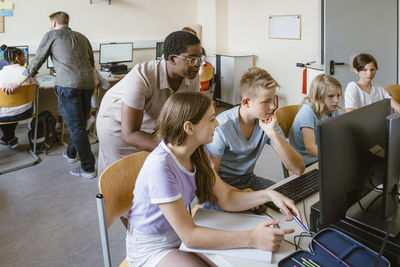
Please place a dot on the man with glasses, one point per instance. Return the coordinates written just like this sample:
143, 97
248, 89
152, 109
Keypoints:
128, 112
244, 130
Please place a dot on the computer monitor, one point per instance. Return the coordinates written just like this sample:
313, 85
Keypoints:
113, 53
24, 48
159, 50
356, 154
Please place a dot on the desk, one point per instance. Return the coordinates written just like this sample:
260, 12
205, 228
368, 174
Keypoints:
286, 248
49, 82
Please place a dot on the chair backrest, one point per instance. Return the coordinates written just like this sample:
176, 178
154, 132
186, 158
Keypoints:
394, 91
285, 117
117, 182
23, 95
208, 74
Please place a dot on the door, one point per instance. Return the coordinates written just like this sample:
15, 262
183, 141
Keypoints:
360, 26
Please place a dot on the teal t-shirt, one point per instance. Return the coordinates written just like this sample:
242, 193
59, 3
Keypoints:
306, 117
238, 155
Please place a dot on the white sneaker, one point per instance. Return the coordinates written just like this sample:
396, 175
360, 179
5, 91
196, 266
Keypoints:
77, 171
70, 160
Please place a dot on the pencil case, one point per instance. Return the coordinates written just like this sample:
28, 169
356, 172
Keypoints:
330, 247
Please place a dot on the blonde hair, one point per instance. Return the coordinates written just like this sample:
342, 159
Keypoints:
179, 108
60, 17
318, 89
255, 79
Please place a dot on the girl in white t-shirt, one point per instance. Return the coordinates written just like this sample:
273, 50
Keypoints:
9, 74
177, 171
365, 92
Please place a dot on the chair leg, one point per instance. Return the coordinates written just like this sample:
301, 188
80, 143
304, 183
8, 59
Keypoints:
103, 230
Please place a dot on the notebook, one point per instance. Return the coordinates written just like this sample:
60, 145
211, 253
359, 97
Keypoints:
231, 222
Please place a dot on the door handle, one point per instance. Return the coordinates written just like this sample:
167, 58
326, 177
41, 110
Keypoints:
332, 66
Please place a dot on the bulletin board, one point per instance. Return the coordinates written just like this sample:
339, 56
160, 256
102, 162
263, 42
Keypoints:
285, 27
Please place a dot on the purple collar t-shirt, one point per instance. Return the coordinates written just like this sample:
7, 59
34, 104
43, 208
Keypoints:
162, 179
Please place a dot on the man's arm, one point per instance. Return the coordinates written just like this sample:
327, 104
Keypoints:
90, 52
41, 55
131, 121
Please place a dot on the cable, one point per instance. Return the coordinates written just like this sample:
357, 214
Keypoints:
387, 233
373, 201
300, 236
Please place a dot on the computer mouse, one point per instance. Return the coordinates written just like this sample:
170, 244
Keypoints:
260, 210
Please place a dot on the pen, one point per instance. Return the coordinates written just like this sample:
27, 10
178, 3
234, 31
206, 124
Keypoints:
307, 262
313, 263
300, 223
301, 264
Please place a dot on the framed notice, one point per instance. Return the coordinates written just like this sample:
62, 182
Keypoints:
285, 27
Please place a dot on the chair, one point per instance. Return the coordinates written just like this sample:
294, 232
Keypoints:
285, 117
208, 75
394, 91
23, 95
115, 196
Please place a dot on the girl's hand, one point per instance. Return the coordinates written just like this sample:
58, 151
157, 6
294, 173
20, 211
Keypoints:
10, 88
285, 205
268, 238
268, 125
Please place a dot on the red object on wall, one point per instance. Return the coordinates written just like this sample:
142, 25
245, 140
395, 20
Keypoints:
304, 89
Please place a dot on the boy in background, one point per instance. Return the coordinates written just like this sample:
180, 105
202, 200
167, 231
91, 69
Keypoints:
244, 130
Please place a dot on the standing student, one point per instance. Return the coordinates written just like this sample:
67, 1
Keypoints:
321, 103
365, 92
244, 130
178, 170
72, 56
11, 73
128, 112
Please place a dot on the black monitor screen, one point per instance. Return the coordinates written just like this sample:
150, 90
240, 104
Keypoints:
116, 53
392, 173
351, 158
159, 50
24, 48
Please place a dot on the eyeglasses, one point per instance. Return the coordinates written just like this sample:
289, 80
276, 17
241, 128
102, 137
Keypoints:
193, 61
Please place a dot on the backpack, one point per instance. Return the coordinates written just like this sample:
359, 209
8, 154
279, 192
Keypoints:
46, 132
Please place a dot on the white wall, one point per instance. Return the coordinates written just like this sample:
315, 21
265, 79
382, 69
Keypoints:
228, 26
241, 26
248, 32
100, 22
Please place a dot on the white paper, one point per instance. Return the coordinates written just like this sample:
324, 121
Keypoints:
285, 27
231, 222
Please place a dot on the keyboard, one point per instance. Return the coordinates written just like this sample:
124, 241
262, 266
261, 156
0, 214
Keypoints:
299, 188
120, 72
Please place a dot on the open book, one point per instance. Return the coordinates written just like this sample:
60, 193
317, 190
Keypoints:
231, 222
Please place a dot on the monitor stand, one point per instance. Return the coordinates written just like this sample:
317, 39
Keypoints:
372, 217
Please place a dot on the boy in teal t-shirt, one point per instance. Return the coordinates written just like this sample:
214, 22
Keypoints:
244, 130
